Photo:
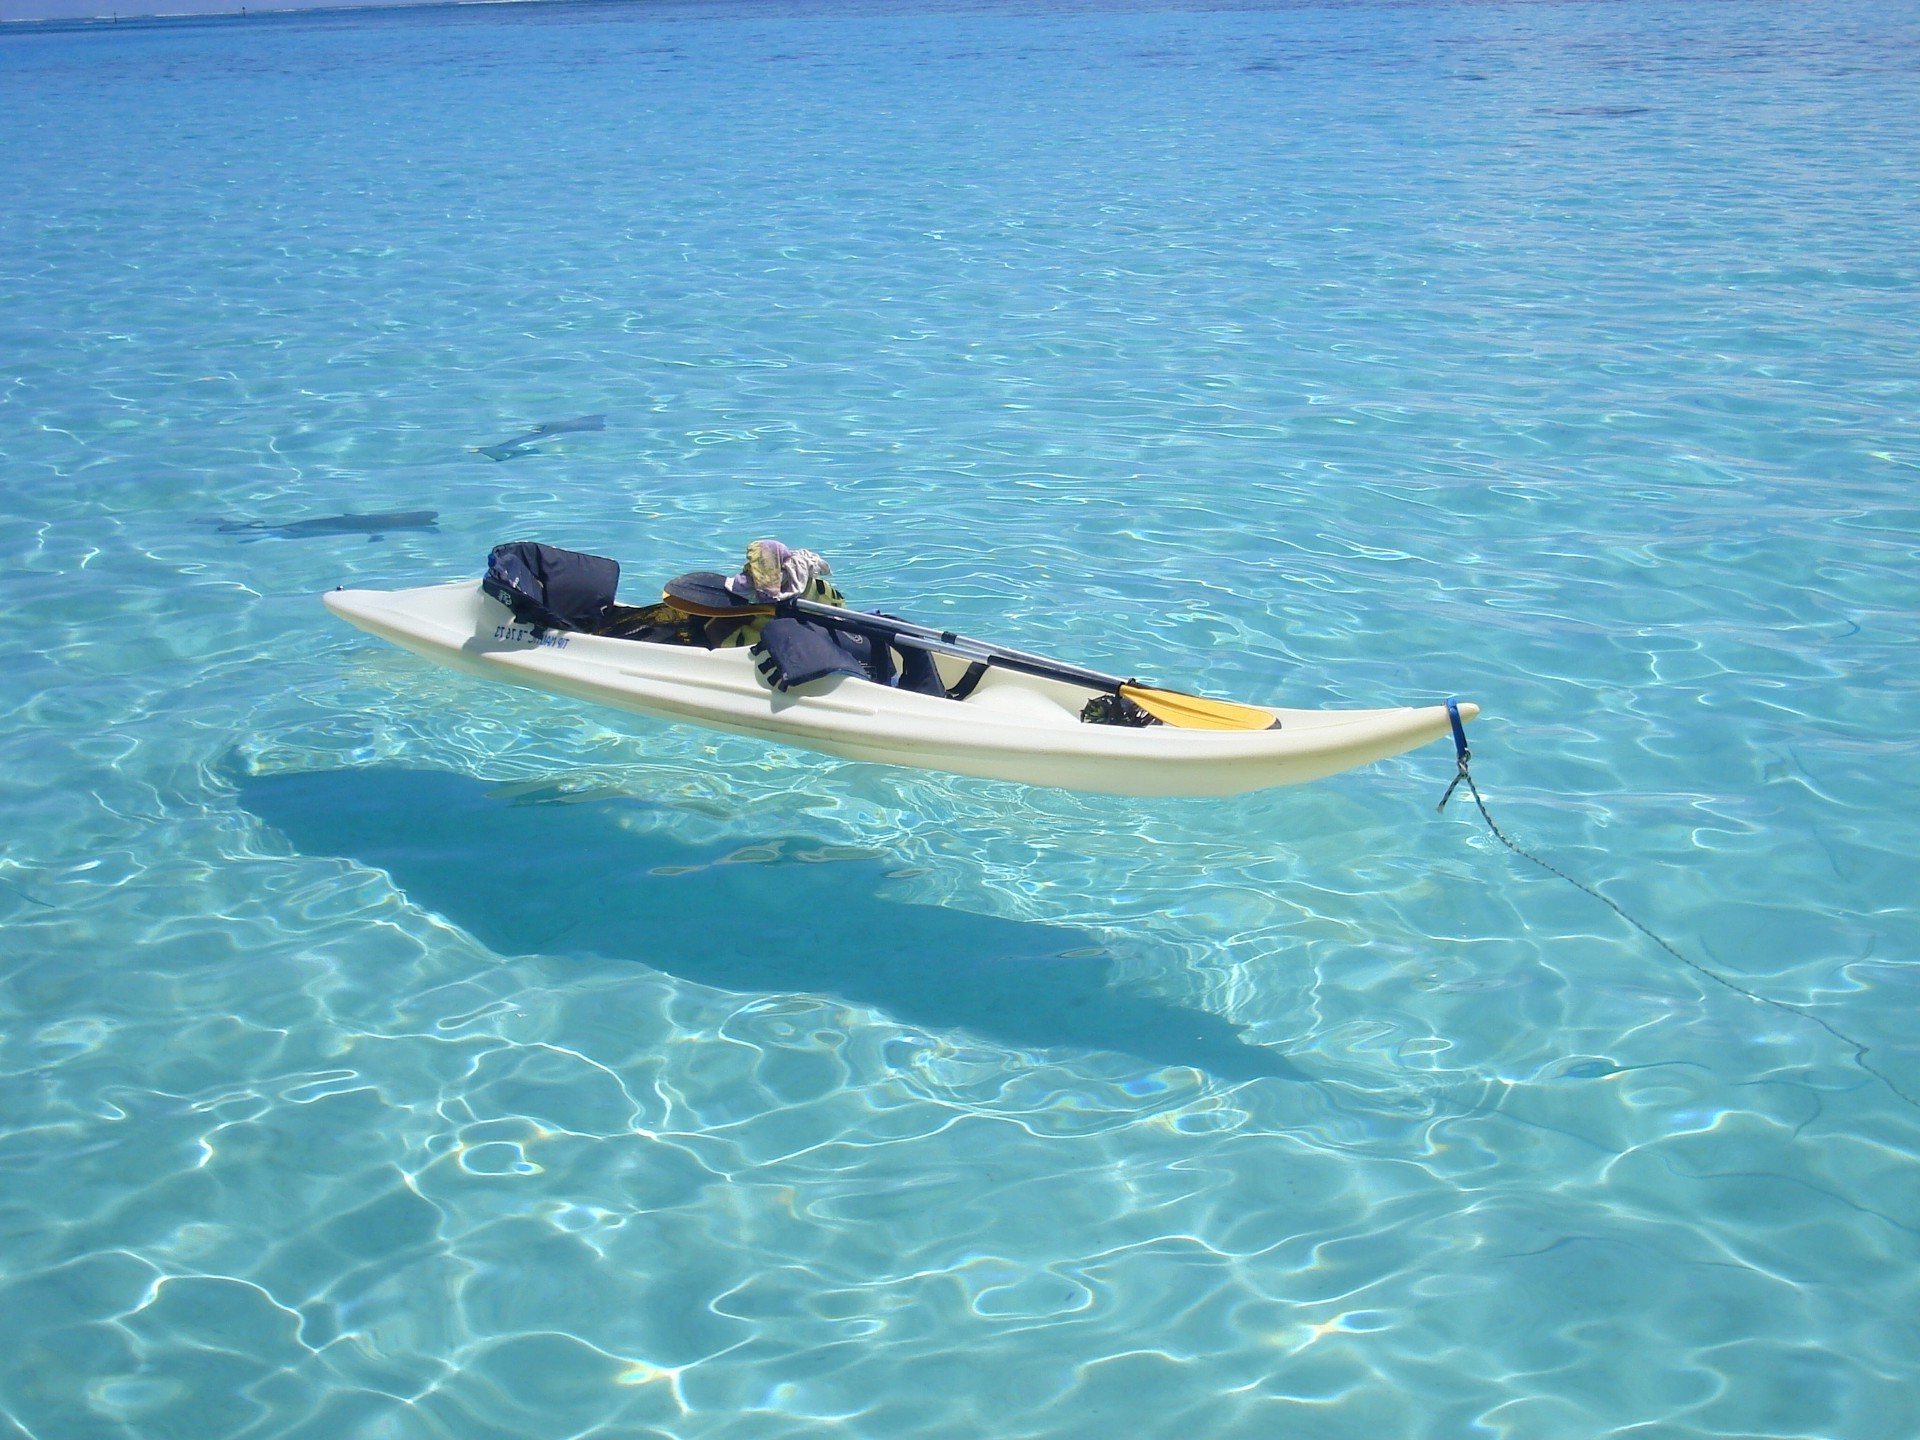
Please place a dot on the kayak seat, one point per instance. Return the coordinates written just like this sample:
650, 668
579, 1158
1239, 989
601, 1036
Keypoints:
550, 588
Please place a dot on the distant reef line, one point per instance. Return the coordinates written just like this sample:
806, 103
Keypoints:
245, 12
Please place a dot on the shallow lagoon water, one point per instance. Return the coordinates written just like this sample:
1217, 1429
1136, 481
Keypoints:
385, 1054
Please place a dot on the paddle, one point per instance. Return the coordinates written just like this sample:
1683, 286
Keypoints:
705, 593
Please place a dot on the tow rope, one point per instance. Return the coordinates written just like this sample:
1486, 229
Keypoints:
1463, 757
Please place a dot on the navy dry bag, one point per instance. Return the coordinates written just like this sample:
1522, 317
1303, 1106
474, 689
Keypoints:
550, 588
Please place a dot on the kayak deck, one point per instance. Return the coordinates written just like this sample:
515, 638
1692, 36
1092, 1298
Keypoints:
1011, 727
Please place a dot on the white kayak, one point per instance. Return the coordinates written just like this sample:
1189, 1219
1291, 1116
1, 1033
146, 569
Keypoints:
1010, 727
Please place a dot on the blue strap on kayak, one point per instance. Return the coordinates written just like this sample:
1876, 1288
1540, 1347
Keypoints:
1462, 754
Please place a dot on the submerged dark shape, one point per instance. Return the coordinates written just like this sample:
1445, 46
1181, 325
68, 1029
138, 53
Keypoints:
570, 879
1589, 1070
524, 444
1595, 112
374, 527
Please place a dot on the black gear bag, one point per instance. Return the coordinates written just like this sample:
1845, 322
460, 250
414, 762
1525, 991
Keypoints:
550, 588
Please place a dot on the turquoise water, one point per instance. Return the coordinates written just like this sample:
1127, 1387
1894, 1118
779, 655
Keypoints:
388, 1055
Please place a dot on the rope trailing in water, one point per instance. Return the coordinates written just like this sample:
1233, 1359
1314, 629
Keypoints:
1464, 776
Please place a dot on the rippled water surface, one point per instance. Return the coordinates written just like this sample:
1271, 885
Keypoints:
389, 1055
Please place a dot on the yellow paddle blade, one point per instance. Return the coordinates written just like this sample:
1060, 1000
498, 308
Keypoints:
1191, 712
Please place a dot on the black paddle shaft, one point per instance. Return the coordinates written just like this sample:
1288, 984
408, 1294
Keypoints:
710, 593
922, 637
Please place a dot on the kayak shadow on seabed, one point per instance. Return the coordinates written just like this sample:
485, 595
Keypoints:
565, 877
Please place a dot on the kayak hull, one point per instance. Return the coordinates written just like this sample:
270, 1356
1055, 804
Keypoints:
1012, 727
